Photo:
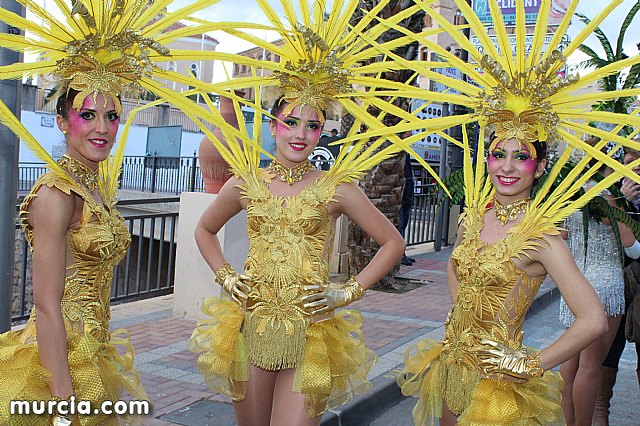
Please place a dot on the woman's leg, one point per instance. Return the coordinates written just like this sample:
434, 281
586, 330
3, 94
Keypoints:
448, 418
587, 380
568, 371
288, 406
608, 378
255, 408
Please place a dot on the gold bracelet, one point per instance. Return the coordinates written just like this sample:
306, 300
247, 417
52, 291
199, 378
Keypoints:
223, 273
356, 291
533, 365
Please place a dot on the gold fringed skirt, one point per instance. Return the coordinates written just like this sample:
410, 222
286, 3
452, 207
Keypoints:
490, 402
99, 372
333, 368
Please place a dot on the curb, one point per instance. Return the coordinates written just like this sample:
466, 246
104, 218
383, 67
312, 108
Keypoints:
362, 410
385, 392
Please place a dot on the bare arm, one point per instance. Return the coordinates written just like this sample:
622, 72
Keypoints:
50, 214
581, 299
223, 208
355, 204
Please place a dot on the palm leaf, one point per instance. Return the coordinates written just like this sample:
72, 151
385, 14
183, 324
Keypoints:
625, 25
604, 41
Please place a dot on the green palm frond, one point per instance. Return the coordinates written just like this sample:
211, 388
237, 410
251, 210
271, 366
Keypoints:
604, 41
633, 78
455, 183
625, 25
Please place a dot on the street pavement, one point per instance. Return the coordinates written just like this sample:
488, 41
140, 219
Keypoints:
393, 322
541, 329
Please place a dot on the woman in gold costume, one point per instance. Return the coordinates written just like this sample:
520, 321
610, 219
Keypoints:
276, 342
301, 356
508, 241
94, 50
77, 238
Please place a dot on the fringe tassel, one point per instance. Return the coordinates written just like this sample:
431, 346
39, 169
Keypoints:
457, 384
273, 348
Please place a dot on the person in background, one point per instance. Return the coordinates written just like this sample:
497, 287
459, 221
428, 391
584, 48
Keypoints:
629, 326
408, 197
598, 255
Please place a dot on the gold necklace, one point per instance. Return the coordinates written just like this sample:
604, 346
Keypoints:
291, 175
511, 211
82, 173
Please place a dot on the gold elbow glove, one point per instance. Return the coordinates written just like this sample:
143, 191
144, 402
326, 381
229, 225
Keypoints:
496, 358
334, 296
237, 285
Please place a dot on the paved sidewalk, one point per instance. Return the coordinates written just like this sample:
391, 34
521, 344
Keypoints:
392, 323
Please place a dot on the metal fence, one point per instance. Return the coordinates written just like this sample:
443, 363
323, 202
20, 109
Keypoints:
28, 173
149, 173
148, 269
162, 174
422, 224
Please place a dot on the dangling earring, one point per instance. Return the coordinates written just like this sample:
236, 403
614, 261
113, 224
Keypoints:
64, 132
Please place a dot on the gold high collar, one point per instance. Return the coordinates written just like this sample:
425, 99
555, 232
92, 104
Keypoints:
83, 174
511, 211
290, 175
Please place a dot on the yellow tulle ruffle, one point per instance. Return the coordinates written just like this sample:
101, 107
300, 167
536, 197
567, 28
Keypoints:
491, 402
223, 359
99, 372
334, 367
336, 363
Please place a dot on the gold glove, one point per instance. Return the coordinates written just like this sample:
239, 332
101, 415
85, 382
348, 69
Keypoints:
496, 358
237, 285
334, 296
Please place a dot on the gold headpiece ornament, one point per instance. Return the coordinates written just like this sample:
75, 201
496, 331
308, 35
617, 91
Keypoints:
525, 96
102, 46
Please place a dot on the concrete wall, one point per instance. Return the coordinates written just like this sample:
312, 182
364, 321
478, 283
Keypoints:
194, 279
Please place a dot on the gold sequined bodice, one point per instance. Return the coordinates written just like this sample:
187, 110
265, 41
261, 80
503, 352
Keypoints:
94, 247
492, 301
493, 294
289, 245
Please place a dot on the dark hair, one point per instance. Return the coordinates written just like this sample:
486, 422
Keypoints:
65, 103
541, 150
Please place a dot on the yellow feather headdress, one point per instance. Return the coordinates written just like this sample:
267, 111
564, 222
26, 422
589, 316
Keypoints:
100, 46
324, 60
525, 96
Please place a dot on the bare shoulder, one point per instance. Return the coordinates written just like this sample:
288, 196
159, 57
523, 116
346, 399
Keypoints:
553, 248
52, 208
